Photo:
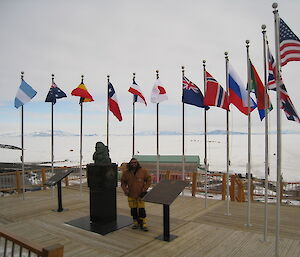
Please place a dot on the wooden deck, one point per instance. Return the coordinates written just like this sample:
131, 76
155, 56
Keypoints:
200, 231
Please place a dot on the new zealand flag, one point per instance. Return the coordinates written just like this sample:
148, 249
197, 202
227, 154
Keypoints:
191, 94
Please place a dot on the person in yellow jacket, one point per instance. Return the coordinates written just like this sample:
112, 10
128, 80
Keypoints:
135, 182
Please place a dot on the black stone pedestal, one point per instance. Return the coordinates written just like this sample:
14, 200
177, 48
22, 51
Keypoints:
101, 228
103, 219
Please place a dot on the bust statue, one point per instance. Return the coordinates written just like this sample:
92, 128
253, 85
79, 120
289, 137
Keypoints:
101, 156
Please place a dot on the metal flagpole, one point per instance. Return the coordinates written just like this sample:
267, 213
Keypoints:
249, 139
80, 167
157, 136
107, 114
183, 157
278, 189
133, 120
205, 135
52, 131
22, 144
227, 138
263, 27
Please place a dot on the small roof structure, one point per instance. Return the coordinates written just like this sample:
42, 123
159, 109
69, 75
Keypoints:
169, 162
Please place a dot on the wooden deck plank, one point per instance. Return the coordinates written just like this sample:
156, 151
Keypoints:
200, 231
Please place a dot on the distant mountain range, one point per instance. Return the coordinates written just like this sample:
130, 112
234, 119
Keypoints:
60, 133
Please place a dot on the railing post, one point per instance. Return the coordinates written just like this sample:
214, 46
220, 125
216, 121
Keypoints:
67, 181
223, 186
281, 191
18, 182
252, 191
232, 187
168, 175
194, 183
44, 178
56, 250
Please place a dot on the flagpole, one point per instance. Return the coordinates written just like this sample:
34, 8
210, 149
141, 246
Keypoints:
278, 189
227, 138
266, 103
22, 144
183, 157
107, 114
205, 135
80, 167
52, 131
157, 136
133, 120
249, 139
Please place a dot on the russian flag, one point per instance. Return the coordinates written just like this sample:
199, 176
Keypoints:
238, 94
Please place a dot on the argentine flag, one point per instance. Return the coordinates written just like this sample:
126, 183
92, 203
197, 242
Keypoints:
24, 94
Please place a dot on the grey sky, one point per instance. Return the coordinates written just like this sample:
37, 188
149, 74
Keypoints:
96, 38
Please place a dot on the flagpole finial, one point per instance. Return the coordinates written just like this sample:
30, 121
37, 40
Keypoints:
182, 69
275, 5
157, 74
133, 76
82, 76
204, 63
263, 27
226, 56
247, 43
108, 76
22, 74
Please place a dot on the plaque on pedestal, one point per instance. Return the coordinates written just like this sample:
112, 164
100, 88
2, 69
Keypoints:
165, 193
56, 180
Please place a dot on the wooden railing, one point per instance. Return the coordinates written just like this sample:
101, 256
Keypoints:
13, 244
12, 181
216, 183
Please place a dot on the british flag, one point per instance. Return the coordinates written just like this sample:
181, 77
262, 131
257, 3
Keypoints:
286, 104
285, 101
271, 71
191, 94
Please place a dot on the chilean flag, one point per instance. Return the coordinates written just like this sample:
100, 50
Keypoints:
136, 91
113, 102
238, 94
159, 93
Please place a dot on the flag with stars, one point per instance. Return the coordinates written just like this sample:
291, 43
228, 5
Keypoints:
191, 94
289, 44
54, 93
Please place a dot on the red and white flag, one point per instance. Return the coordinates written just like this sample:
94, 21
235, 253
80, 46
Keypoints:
138, 95
159, 93
113, 102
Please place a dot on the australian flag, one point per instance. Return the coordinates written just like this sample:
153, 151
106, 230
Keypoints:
54, 93
191, 94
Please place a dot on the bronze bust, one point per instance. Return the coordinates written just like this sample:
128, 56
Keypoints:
101, 155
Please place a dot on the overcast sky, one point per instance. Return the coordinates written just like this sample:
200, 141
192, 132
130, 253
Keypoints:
96, 38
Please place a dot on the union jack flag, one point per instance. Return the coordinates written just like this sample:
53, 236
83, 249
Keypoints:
272, 71
191, 94
287, 105
189, 85
285, 101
